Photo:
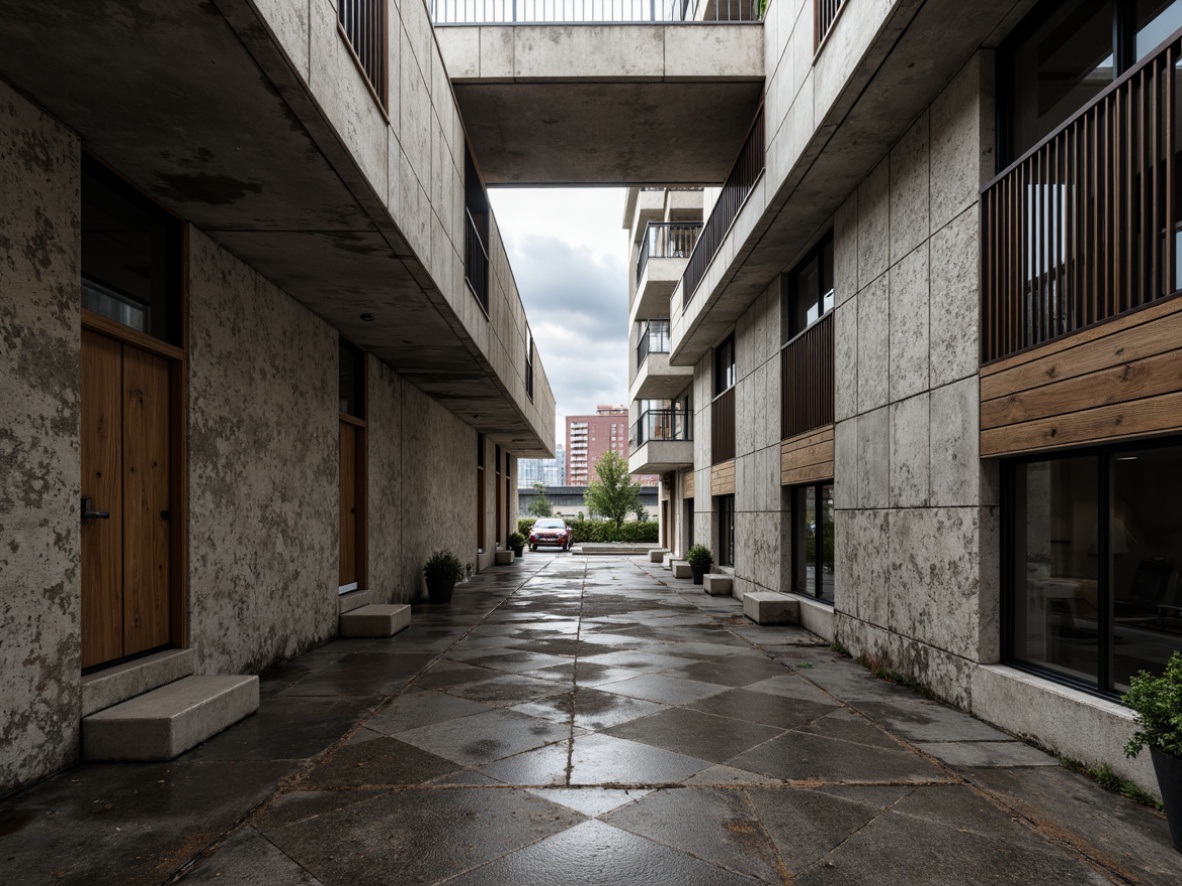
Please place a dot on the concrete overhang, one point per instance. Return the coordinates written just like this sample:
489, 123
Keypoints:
605, 104
657, 380
660, 278
198, 105
662, 456
895, 79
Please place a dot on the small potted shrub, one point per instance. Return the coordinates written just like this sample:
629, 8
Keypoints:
517, 543
1157, 702
700, 559
442, 570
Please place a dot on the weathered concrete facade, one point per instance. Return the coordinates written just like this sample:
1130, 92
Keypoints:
266, 310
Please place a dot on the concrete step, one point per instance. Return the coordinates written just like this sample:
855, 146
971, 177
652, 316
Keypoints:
168, 721
504, 558
657, 555
770, 608
717, 584
110, 686
353, 600
375, 620
681, 569
667, 562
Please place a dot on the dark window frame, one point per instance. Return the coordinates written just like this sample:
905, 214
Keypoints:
790, 294
798, 513
724, 507
1104, 454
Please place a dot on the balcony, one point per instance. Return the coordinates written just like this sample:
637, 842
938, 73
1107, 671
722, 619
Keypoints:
1084, 233
662, 441
655, 379
664, 250
562, 12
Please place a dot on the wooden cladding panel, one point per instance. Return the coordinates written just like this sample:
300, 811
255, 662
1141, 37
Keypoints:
722, 478
1118, 380
687, 485
807, 458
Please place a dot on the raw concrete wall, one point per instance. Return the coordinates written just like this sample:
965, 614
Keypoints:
263, 468
917, 523
40, 596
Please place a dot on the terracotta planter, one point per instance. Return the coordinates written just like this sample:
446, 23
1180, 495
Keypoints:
440, 589
1169, 779
698, 573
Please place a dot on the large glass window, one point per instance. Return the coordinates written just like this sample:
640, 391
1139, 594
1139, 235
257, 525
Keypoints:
1065, 53
1096, 542
812, 541
726, 530
724, 366
808, 293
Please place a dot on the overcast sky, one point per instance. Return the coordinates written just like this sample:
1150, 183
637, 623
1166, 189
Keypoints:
568, 249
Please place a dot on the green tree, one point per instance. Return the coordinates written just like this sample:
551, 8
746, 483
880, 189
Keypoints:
612, 494
540, 506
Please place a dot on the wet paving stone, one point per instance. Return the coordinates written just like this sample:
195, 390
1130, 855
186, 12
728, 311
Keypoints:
586, 720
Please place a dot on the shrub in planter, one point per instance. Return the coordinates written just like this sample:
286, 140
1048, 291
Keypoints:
525, 524
442, 570
1157, 703
700, 559
517, 543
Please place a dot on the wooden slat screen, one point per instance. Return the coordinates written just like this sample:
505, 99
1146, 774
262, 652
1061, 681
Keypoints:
806, 380
1084, 227
722, 427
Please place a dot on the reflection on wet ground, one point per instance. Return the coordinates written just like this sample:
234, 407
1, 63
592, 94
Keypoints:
585, 721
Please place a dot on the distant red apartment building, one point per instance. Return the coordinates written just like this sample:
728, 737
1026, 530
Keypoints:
590, 436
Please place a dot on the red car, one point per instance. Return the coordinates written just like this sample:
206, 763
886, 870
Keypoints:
548, 531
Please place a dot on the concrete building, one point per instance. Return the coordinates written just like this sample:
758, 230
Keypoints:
547, 471
588, 437
927, 325
915, 373
262, 346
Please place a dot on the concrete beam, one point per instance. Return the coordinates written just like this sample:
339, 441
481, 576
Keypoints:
605, 104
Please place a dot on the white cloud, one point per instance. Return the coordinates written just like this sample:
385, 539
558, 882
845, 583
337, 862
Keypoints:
568, 250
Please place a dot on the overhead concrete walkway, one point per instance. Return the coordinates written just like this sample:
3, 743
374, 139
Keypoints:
586, 721
605, 104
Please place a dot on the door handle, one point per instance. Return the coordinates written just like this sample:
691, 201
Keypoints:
88, 513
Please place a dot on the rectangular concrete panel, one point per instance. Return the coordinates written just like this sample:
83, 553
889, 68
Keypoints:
375, 620
168, 721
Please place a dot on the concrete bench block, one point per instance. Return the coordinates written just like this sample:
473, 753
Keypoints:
681, 569
375, 620
504, 558
166, 722
770, 608
667, 561
657, 555
717, 584
353, 600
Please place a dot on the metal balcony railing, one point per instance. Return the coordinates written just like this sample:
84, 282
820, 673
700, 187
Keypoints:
824, 14
748, 167
476, 262
363, 23
661, 424
1087, 224
806, 379
666, 240
535, 12
654, 339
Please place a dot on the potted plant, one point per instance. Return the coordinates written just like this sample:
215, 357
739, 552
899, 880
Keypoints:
517, 543
1157, 703
442, 570
700, 559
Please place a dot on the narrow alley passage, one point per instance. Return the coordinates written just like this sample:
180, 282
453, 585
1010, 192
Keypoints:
586, 720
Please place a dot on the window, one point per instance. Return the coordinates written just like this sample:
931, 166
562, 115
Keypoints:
807, 292
724, 366
363, 23
726, 530
131, 256
352, 380
812, 541
480, 524
1094, 547
529, 365
1064, 54
477, 209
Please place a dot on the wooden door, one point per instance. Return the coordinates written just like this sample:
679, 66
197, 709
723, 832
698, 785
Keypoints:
349, 576
126, 471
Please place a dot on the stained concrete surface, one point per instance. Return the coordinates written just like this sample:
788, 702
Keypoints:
586, 721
